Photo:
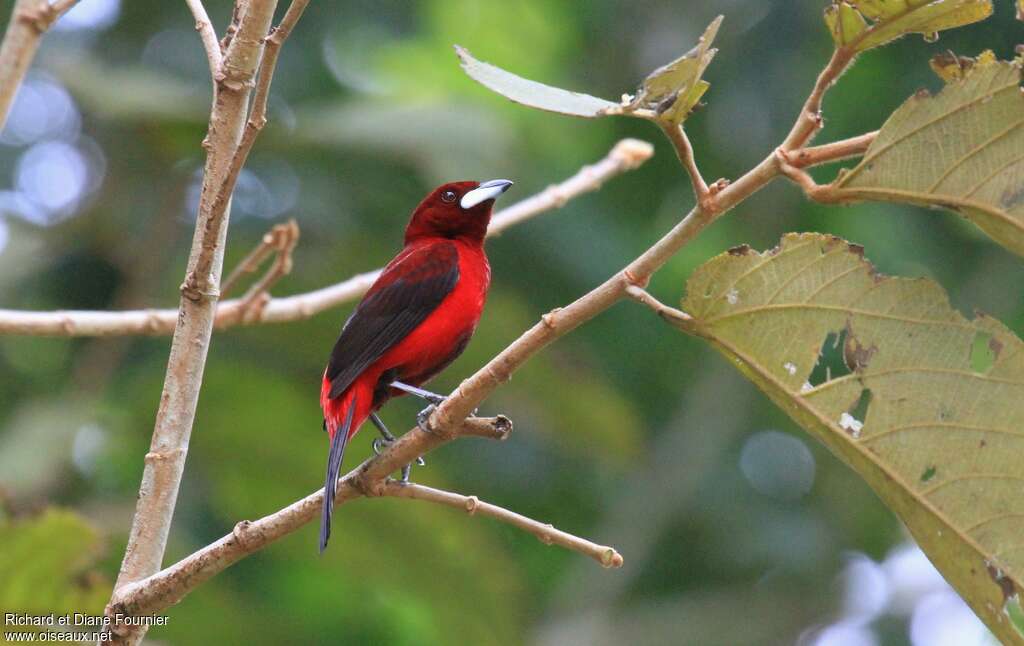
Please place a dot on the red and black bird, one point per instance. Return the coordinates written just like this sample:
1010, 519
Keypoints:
414, 321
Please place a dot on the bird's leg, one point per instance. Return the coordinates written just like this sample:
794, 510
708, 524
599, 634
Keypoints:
387, 437
433, 398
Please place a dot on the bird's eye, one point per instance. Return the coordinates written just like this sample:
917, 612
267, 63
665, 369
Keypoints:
448, 196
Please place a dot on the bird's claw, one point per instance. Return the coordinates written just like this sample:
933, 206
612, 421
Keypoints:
423, 419
380, 443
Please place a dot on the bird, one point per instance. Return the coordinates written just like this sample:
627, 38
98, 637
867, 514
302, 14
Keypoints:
415, 319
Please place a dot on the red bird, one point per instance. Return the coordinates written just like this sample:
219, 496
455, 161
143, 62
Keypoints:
414, 321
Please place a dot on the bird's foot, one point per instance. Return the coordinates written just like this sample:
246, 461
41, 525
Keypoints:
387, 438
423, 419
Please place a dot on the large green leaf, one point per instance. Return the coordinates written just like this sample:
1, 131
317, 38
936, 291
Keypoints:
962, 150
931, 413
848, 20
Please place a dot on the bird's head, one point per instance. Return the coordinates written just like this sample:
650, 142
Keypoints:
456, 210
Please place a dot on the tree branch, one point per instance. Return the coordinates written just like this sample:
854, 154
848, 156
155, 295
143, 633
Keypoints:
208, 36
606, 556
29, 20
835, 151
677, 317
280, 241
269, 48
627, 155
809, 121
165, 461
684, 151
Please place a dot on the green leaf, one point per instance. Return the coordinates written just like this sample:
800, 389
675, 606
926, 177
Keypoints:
669, 92
931, 414
891, 19
46, 565
672, 90
845, 23
962, 150
531, 93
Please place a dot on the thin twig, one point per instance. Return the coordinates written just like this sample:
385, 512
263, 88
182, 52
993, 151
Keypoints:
29, 20
280, 240
684, 151
603, 554
833, 152
197, 280
208, 36
626, 155
809, 121
676, 316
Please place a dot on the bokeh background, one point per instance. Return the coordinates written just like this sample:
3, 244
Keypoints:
735, 526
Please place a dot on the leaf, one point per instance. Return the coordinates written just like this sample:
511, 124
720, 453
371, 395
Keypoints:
532, 93
962, 150
670, 92
674, 89
46, 565
931, 414
890, 19
845, 23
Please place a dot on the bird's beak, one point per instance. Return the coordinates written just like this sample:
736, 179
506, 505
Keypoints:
486, 191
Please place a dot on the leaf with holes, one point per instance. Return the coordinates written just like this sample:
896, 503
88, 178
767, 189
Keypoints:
531, 93
930, 411
848, 20
962, 150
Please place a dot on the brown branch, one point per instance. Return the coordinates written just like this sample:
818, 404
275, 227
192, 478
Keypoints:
171, 584
165, 461
809, 121
833, 152
677, 317
627, 155
606, 556
684, 151
209, 37
29, 21
198, 279
279, 241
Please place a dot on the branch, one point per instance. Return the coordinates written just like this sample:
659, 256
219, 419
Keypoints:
198, 279
809, 121
208, 36
835, 151
171, 584
29, 20
606, 556
675, 316
280, 240
684, 151
627, 155
165, 461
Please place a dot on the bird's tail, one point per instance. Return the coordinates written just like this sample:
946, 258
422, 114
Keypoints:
337, 452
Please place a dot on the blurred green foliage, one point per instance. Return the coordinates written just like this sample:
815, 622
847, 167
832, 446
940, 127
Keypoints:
626, 432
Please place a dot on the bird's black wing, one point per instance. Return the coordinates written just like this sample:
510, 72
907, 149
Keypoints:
405, 294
